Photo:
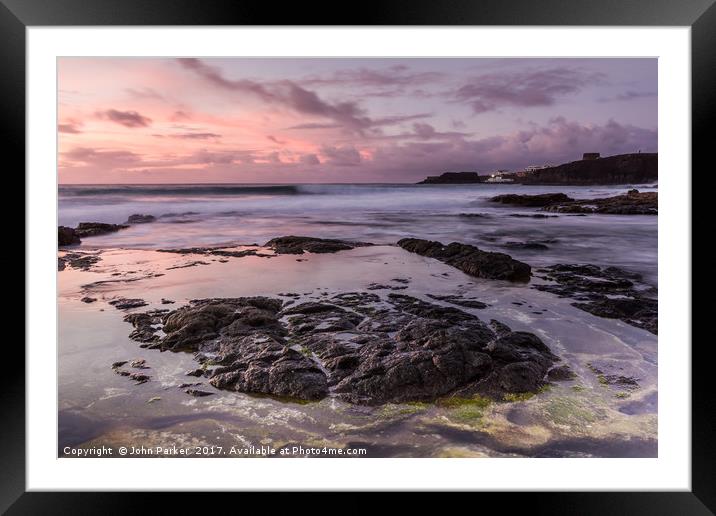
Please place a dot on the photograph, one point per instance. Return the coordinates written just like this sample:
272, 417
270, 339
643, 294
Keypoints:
393, 257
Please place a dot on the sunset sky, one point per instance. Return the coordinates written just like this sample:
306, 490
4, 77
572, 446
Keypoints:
312, 120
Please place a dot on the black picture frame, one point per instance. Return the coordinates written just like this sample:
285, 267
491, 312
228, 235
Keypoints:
700, 15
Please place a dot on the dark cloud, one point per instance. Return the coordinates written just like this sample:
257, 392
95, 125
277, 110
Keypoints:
106, 159
69, 128
629, 95
311, 125
399, 119
399, 75
347, 114
275, 140
309, 159
342, 156
101, 157
205, 157
524, 88
420, 131
126, 118
180, 115
559, 141
195, 136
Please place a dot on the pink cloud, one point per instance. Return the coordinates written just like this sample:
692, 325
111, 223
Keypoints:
130, 119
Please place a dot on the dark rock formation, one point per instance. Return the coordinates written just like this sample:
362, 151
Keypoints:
198, 393
459, 301
532, 215
560, 373
531, 246
534, 201
621, 169
452, 178
476, 215
217, 251
357, 345
79, 261
301, 244
470, 259
124, 303
67, 236
89, 229
138, 218
631, 203
608, 292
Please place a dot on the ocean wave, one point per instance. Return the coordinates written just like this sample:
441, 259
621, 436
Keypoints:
143, 190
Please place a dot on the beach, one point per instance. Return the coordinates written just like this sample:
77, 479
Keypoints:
605, 407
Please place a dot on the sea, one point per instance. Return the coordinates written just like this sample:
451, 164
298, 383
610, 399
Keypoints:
190, 215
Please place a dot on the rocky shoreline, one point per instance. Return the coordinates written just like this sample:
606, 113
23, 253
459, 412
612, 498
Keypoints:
632, 202
370, 349
356, 346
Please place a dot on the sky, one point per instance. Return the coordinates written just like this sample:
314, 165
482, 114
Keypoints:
343, 120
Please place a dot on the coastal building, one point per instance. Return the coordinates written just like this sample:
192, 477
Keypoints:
499, 178
533, 168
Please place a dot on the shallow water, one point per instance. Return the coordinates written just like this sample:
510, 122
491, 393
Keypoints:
583, 417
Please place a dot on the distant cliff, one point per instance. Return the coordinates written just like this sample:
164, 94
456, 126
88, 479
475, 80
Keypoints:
452, 178
612, 170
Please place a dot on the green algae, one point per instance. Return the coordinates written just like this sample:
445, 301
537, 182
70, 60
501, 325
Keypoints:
569, 412
458, 402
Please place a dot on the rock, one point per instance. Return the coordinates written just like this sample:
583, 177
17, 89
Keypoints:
607, 292
119, 364
639, 311
189, 264
139, 378
619, 373
67, 236
167, 301
560, 374
217, 251
192, 384
138, 218
144, 324
531, 246
631, 203
139, 363
89, 229
536, 201
198, 372
532, 215
300, 244
197, 393
355, 345
380, 286
476, 215
124, 303
459, 301
452, 178
88, 299
470, 259
79, 261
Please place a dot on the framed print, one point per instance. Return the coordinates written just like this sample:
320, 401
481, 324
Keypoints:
453, 242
